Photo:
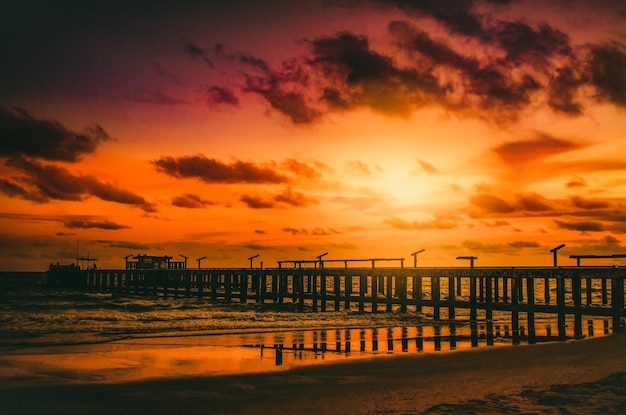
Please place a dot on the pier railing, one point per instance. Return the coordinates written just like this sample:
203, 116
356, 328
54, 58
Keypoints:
445, 293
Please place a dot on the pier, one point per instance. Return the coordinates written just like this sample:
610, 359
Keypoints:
472, 293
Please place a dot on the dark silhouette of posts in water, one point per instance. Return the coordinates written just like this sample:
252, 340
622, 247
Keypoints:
554, 251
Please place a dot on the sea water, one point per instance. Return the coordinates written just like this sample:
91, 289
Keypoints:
112, 337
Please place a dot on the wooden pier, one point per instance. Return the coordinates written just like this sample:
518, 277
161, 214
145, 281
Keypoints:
444, 293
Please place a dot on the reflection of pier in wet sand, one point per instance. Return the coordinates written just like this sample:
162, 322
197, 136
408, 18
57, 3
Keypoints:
320, 344
460, 293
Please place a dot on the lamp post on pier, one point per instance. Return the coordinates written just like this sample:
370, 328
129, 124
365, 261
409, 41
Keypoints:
319, 258
200, 260
470, 258
554, 252
126, 259
186, 258
414, 254
251, 258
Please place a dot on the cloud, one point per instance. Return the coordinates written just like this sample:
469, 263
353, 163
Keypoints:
214, 171
191, 201
492, 204
533, 202
511, 67
123, 244
255, 202
295, 231
106, 225
457, 16
562, 92
583, 203
359, 168
220, 95
583, 227
260, 232
607, 73
427, 167
288, 197
576, 181
42, 183
437, 223
293, 198
524, 45
526, 151
21, 134
524, 244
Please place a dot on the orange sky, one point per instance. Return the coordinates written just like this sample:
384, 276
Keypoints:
362, 128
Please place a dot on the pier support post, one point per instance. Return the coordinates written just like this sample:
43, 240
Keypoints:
617, 301
530, 313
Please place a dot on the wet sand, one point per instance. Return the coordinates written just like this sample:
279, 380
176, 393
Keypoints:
581, 377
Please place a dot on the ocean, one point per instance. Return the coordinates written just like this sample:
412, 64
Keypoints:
42, 328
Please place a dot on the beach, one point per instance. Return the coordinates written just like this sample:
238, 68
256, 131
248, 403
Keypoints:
578, 377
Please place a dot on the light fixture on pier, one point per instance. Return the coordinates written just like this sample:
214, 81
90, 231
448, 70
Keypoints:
414, 254
200, 260
319, 258
186, 258
251, 258
554, 252
469, 258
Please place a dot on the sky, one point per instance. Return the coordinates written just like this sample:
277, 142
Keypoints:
361, 128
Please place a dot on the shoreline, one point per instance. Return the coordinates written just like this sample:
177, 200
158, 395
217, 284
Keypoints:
487, 378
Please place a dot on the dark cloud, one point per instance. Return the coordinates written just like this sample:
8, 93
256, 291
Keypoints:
288, 197
197, 52
42, 183
214, 171
524, 244
123, 244
525, 151
457, 16
492, 204
260, 232
21, 134
533, 202
576, 181
607, 72
361, 77
255, 202
525, 45
562, 92
304, 170
293, 198
583, 227
295, 231
106, 225
583, 203
220, 95
190, 201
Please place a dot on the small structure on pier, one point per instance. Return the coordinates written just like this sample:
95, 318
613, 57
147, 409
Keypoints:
146, 261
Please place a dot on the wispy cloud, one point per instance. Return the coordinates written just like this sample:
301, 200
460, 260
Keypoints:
190, 201
105, 225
